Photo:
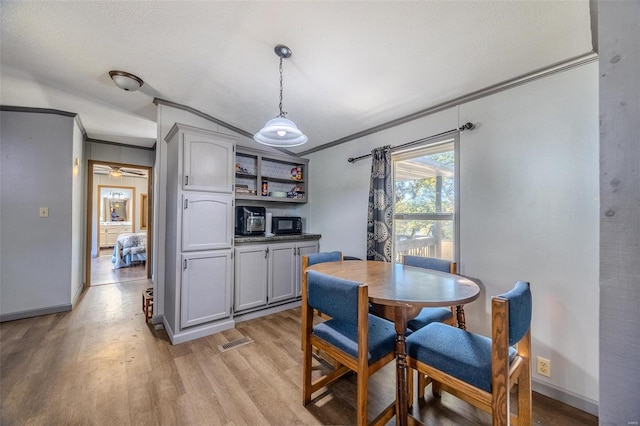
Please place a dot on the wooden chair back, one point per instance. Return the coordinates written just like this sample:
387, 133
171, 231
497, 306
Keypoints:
510, 327
349, 306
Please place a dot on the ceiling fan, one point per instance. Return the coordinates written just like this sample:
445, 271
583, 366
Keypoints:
102, 169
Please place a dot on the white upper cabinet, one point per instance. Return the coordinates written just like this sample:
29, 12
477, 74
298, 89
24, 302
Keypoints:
207, 221
207, 163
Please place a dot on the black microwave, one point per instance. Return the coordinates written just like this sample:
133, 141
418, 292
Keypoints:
286, 225
250, 220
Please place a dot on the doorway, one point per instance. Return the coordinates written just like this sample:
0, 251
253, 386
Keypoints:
119, 211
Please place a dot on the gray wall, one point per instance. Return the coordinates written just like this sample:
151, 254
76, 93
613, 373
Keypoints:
40, 257
619, 44
528, 210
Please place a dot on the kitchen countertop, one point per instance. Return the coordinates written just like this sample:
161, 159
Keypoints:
275, 238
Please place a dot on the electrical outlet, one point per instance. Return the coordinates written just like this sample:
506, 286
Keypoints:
543, 366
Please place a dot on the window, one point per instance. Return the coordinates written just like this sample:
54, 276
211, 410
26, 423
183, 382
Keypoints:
425, 204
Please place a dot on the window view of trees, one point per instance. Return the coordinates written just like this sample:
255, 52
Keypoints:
425, 203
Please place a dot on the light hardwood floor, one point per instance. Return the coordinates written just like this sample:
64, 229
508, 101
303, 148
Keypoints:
101, 364
102, 271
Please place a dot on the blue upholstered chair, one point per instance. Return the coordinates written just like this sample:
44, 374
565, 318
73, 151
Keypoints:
429, 315
358, 341
477, 369
313, 258
329, 256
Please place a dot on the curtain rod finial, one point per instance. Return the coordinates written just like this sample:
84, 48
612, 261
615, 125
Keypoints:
466, 126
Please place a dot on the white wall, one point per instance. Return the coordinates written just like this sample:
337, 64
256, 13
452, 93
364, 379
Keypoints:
120, 154
37, 171
529, 210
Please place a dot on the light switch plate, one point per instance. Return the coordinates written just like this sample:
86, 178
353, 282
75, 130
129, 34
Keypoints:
44, 212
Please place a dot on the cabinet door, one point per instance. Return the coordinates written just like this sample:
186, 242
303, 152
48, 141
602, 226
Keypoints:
208, 164
205, 294
207, 221
104, 237
250, 277
282, 272
303, 249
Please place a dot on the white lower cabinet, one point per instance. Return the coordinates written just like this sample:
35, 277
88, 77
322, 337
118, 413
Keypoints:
251, 266
282, 272
268, 274
206, 287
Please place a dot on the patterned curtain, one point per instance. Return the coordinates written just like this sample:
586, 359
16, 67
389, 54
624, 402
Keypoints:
380, 214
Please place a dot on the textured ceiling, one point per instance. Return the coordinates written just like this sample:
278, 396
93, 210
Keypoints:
355, 65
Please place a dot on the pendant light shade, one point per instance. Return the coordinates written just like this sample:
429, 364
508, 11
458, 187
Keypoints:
280, 131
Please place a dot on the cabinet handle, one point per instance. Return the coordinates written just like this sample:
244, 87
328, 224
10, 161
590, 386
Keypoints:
186, 203
185, 265
186, 180
298, 251
266, 253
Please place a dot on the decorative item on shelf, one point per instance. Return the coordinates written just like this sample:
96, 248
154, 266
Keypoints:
296, 173
278, 194
265, 188
240, 169
244, 189
280, 131
296, 192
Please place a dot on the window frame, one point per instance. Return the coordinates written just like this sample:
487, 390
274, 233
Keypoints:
415, 151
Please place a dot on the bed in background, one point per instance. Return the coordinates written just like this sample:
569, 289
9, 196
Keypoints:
129, 248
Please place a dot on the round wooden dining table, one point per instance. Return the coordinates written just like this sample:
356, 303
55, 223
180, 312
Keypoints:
398, 293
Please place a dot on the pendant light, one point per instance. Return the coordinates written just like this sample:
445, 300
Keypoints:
280, 131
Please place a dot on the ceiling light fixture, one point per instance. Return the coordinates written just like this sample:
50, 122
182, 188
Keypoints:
126, 81
115, 172
280, 131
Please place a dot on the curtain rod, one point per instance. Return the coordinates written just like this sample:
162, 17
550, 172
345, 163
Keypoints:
466, 126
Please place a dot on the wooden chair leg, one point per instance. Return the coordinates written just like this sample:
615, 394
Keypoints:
460, 317
525, 416
362, 380
423, 382
435, 389
410, 373
306, 373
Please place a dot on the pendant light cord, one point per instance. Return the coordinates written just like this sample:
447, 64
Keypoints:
282, 113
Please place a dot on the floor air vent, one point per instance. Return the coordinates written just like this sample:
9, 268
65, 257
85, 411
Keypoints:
235, 343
